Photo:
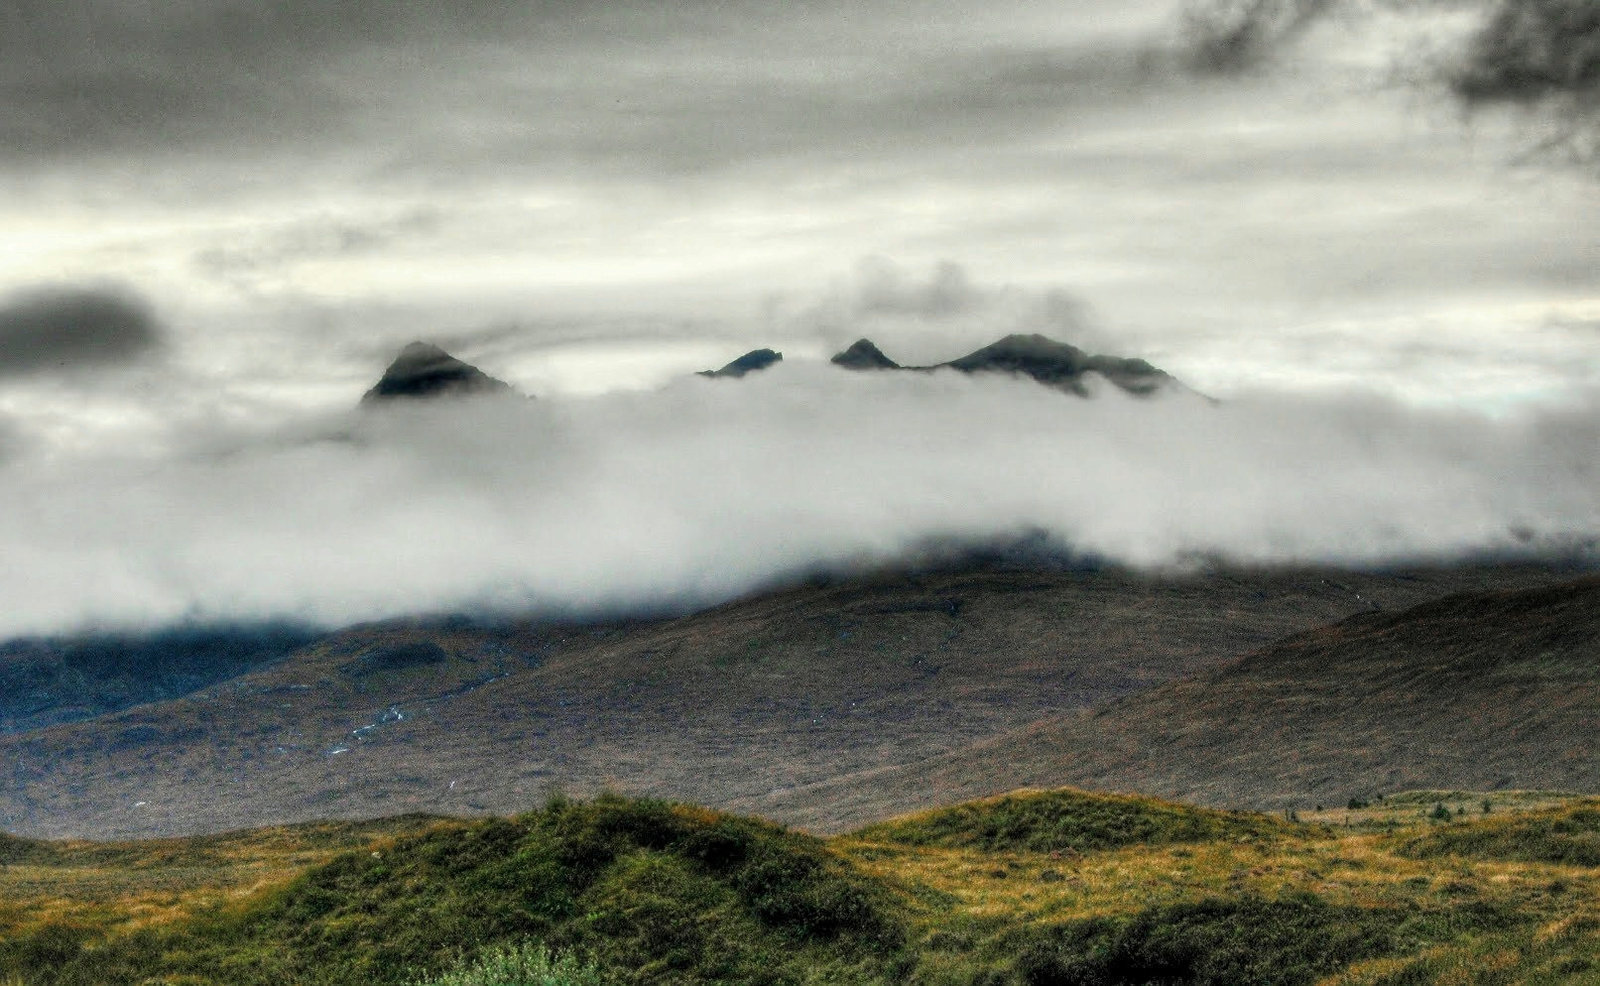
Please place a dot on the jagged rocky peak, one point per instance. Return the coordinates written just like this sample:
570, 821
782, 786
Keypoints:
755, 359
1058, 364
864, 355
424, 370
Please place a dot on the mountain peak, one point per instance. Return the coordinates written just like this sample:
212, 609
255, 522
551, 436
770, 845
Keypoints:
1058, 364
755, 359
864, 355
424, 370
1019, 352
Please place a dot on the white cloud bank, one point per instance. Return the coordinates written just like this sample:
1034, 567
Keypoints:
706, 489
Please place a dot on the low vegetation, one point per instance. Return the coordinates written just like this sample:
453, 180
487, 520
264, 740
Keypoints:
1036, 888
1068, 820
527, 964
1568, 835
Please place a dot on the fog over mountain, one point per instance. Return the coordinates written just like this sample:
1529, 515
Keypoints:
708, 488
223, 220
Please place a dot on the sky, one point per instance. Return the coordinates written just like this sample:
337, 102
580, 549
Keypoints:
219, 220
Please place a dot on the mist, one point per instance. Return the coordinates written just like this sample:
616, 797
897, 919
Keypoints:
706, 489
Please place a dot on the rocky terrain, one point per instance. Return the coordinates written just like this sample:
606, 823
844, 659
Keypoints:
423, 370
1054, 364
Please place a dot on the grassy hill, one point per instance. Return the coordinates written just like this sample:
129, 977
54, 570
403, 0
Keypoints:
1068, 820
620, 890
1476, 691
756, 705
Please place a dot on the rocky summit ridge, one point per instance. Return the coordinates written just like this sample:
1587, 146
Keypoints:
424, 370
1048, 361
755, 359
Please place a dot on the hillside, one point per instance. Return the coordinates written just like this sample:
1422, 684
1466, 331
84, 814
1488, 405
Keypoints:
628, 891
1479, 691
49, 680
755, 703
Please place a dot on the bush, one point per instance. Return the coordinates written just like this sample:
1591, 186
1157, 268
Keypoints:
1214, 942
1066, 819
528, 964
1569, 835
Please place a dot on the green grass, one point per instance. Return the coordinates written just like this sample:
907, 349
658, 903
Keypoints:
525, 964
1568, 834
1032, 889
1239, 941
670, 893
1070, 820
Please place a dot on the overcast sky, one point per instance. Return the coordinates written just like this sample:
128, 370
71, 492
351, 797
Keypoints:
589, 195
224, 216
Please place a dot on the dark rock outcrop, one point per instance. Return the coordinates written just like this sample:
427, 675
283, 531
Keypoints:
755, 359
425, 370
1059, 365
863, 355
1052, 363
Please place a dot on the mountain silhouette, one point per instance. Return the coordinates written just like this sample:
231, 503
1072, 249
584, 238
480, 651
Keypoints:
863, 355
423, 370
1052, 363
755, 359
1060, 365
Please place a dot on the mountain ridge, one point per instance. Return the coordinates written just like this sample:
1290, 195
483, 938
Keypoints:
779, 703
1481, 690
422, 371
1047, 361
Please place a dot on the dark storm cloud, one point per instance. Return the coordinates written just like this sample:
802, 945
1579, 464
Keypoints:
1534, 49
1542, 55
65, 329
1228, 36
1540, 58
1522, 51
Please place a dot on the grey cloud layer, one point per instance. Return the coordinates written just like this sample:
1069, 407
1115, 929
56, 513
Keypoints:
710, 488
104, 75
671, 87
66, 329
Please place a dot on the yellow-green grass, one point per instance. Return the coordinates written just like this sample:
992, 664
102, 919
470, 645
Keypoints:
105, 885
1033, 888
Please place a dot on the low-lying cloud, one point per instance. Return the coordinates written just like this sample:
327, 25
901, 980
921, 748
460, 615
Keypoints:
708, 489
64, 329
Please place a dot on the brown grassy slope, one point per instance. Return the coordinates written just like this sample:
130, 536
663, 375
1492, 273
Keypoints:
1480, 691
740, 703
125, 885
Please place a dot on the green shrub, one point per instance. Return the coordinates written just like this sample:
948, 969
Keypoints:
1067, 819
1568, 835
1215, 942
652, 891
527, 964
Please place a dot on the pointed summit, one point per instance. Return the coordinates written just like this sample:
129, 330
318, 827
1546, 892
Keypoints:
863, 355
425, 370
755, 359
1057, 364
